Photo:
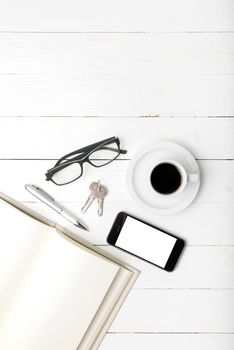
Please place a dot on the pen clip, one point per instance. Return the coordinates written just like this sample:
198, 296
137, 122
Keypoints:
41, 191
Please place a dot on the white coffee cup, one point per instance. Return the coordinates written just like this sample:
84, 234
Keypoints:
185, 178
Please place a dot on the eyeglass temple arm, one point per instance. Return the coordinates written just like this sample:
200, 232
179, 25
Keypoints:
87, 148
90, 147
123, 151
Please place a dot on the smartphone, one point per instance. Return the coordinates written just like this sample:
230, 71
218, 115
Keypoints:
145, 241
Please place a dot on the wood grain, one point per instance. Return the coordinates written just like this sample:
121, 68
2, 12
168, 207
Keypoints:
167, 341
124, 15
151, 77
132, 94
131, 59
143, 74
88, 56
51, 138
199, 268
168, 311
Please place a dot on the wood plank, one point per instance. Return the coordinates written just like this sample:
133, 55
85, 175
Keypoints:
138, 93
104, 15
208, 220
51, 138
176, 311
216, 176
214, 229
166, 341
200, 267
89, 55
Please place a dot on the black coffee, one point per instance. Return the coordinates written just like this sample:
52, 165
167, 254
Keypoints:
165, 178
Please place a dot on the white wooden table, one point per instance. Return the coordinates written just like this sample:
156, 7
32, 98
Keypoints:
75, 72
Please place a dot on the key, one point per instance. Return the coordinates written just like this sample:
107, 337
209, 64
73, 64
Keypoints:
93, 187
100, 193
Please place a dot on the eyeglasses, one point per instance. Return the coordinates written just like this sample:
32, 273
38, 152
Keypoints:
70, 167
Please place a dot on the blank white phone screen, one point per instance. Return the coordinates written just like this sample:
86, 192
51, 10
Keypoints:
145, 241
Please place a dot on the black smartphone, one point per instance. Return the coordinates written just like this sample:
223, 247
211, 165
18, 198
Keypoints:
145, 241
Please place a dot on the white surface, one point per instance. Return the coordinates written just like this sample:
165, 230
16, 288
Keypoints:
182, 68
141, 167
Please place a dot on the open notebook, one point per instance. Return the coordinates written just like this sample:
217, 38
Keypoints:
55, 293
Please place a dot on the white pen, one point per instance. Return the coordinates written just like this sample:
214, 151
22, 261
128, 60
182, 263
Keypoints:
50, 201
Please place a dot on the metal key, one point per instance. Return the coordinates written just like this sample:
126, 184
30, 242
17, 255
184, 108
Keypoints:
93, 188
100, 193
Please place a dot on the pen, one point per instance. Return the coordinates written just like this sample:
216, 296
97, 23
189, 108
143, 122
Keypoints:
50, 201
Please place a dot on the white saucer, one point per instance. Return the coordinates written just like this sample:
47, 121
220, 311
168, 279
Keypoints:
140, 169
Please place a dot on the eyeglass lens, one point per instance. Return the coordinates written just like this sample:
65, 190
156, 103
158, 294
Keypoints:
67, 174
104, 154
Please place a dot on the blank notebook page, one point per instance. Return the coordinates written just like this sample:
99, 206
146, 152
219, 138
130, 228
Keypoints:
59, 294
21, 240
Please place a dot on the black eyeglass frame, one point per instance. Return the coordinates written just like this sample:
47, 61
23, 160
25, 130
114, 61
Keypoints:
83, 157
